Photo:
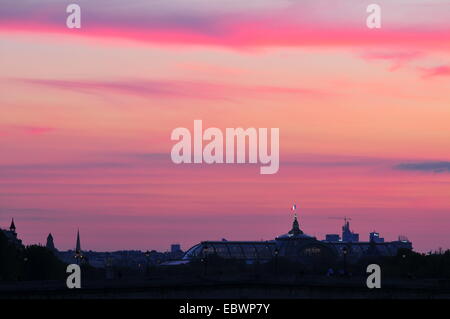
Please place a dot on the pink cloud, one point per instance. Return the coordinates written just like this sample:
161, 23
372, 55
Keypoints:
296, 24
398, 58
30, 130
210, 69
36, 130
443, 70
245, 35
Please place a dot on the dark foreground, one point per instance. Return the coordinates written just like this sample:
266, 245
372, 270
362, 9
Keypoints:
310, 287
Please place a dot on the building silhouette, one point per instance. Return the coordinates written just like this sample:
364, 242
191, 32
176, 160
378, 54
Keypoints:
175, 248
297, 246
347, 234
375, 237
332, 237
11, 234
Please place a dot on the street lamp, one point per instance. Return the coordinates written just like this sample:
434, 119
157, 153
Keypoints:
404, 264
276, 252
345, 252
147, 255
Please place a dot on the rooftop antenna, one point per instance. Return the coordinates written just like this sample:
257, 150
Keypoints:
344, 218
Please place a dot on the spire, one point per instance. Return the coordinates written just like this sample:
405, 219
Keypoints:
12, 227
78, 253
78, 248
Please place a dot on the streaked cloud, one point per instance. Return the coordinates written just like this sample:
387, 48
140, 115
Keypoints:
289, 24
438, 71
173, 88
397, 58
63, 166
333, 161
36, 130
26, 129
436, 167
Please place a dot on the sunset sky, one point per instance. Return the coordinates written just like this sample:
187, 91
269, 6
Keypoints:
86, 117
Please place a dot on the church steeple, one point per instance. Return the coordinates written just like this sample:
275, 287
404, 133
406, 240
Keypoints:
12, 227
78, 247
78, 254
